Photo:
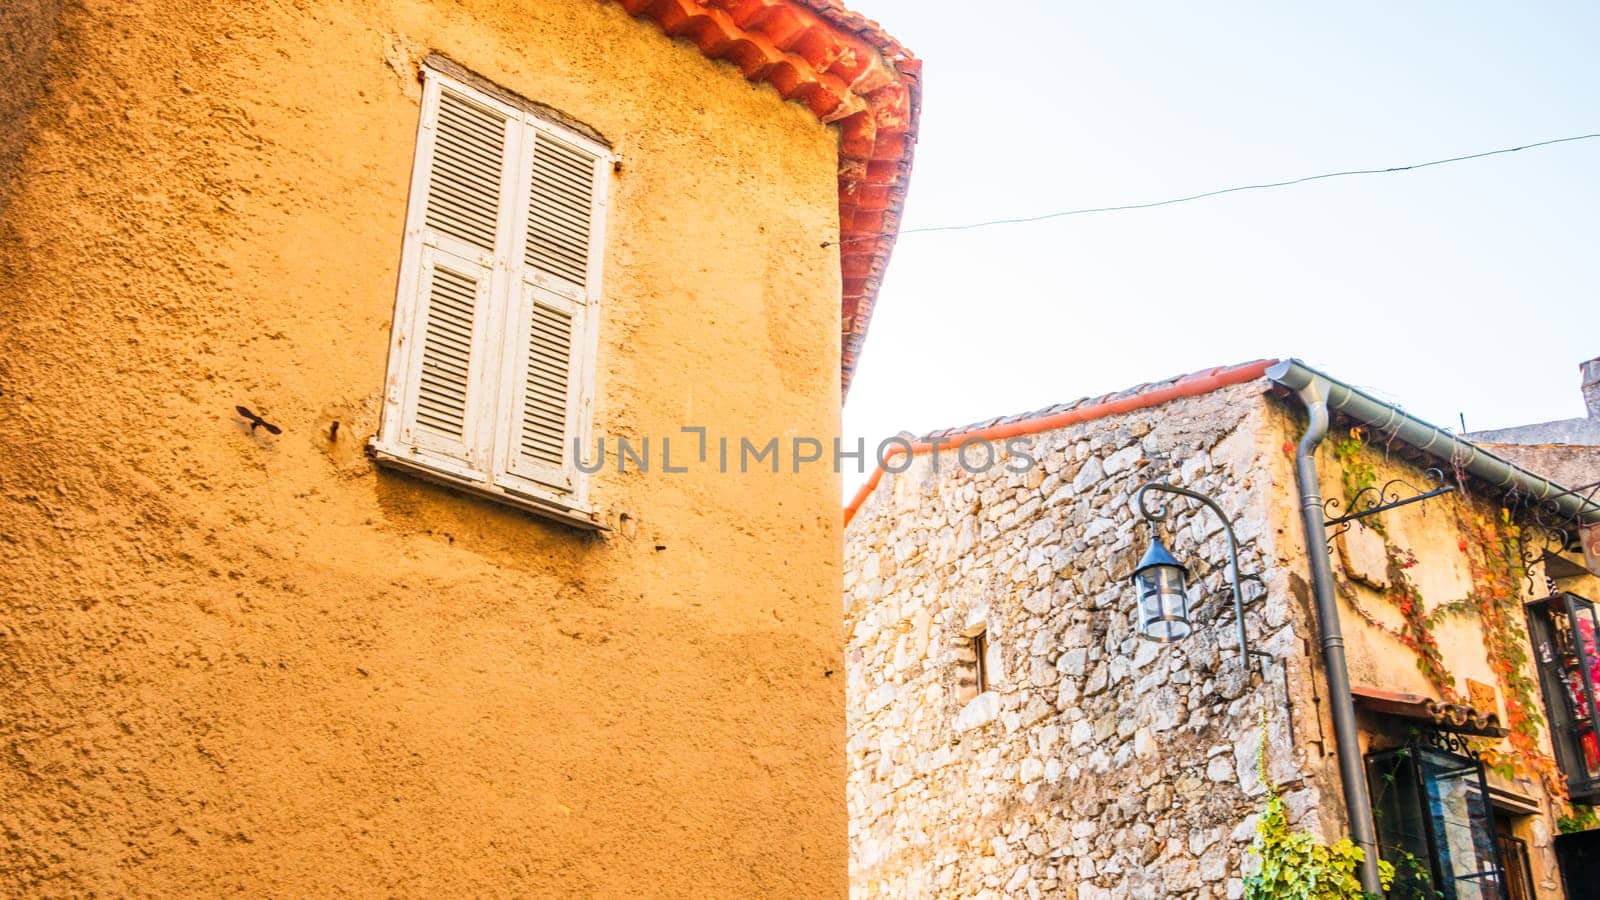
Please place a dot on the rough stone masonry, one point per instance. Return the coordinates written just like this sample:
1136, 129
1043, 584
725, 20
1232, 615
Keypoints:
1096, 765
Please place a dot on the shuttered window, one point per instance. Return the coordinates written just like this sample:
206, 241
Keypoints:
491, 366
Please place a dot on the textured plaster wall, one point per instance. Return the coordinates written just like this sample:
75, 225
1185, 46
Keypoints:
232, 662
1429, 532
1099, 765
27, 29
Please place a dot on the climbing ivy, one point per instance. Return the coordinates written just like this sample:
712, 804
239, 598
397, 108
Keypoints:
1355, 472
1294, 864
1418, 631
1493, 550
1581, 818
1494, 557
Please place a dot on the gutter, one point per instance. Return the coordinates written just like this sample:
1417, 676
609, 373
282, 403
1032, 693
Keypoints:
1442, 445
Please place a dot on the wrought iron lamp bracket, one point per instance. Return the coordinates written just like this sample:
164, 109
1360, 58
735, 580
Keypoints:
1141, 501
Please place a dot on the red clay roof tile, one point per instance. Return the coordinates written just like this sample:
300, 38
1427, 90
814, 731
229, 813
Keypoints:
845, 69
1061, 415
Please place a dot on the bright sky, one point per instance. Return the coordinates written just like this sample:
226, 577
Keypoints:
1472, 288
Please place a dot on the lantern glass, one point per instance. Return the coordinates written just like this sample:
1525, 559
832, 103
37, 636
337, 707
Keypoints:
1161, 585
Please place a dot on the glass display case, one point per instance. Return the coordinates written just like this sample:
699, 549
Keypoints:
1563, 629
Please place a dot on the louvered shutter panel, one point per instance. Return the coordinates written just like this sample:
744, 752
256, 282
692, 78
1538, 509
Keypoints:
561, 201
547, 391
558, 286
465, 153
445, 378
465, 174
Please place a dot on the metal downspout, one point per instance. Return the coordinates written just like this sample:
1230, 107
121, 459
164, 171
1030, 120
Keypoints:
1358, 805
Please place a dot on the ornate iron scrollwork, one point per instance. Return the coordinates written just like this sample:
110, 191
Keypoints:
1547, 531
1370, 501
1540, 539
1448, 741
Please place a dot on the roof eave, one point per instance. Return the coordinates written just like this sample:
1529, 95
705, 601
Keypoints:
1448, 448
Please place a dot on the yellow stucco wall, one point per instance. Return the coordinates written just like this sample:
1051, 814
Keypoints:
27, 28
1436, 533
234, 662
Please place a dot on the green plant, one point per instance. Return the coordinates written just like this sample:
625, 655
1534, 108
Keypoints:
1582, 818
1418, 879
1355, 472
1294, 864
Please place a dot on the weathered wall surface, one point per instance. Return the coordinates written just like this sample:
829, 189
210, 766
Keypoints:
1427, 543
1100, 765
1571, 465
1422, 576
1104, 766
236, 662
27, 29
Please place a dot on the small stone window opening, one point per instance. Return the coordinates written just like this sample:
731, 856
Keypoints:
980, 652
972, 656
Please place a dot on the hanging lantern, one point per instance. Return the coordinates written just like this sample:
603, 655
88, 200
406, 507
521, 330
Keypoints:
1161, 584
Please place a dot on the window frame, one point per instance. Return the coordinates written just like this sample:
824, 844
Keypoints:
1567, 726
484, 465
1409, 780
980, 652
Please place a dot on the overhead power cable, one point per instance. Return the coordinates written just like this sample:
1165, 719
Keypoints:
1022, 220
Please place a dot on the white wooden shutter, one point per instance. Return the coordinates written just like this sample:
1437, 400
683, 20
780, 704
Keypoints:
466, 153
560, 211
552, 371
491, 367
547, 389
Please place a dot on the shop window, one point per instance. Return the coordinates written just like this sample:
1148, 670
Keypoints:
1563, 629
1436, 824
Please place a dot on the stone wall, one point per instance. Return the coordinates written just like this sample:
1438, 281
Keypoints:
1098, 762
1570, 465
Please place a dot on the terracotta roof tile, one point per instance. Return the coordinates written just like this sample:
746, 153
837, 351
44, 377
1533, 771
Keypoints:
1087, 409
847, 70
1220, 374
1455, 717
